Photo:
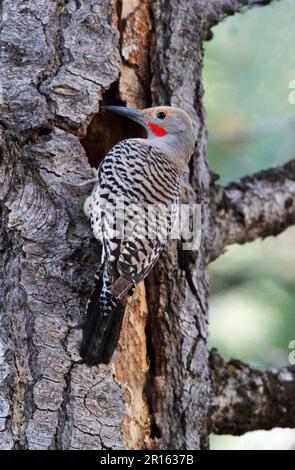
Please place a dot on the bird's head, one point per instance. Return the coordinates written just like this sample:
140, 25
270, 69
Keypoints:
167, 127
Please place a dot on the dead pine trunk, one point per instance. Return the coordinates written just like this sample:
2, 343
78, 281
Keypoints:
60, 61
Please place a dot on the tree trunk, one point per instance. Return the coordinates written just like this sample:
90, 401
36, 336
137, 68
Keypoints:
60, 61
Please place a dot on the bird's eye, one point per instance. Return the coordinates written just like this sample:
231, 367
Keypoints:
161, 115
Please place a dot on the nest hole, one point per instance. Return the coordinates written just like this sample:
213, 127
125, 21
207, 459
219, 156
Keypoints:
107, 129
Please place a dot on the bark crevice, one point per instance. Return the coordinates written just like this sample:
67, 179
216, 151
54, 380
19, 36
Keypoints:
106, 129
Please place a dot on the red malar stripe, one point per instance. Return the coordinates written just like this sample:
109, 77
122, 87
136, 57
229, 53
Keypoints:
158, 131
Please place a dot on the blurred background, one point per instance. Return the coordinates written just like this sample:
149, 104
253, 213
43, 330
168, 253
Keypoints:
248, 67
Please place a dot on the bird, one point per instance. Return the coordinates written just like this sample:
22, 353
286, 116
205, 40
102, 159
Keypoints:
137, 174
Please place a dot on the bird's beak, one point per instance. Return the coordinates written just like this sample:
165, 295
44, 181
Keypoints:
130, 113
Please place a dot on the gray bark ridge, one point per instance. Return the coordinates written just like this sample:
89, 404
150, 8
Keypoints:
53, 54
247, 399
255, 206
179, 327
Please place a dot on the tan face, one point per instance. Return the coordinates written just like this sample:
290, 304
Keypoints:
169, 128
172, 120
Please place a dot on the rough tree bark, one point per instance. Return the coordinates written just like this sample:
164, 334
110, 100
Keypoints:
59, 61
240, 389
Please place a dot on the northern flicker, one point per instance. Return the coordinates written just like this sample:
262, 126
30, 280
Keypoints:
141, 173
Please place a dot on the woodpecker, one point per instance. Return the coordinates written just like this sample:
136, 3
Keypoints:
139, 173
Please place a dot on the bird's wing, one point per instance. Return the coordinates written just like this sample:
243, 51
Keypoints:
147, 183
132, 173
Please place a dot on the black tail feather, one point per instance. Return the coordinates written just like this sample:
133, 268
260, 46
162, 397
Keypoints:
101, 331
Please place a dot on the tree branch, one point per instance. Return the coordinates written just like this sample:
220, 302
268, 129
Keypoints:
218, 10
254, 207
247, 399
